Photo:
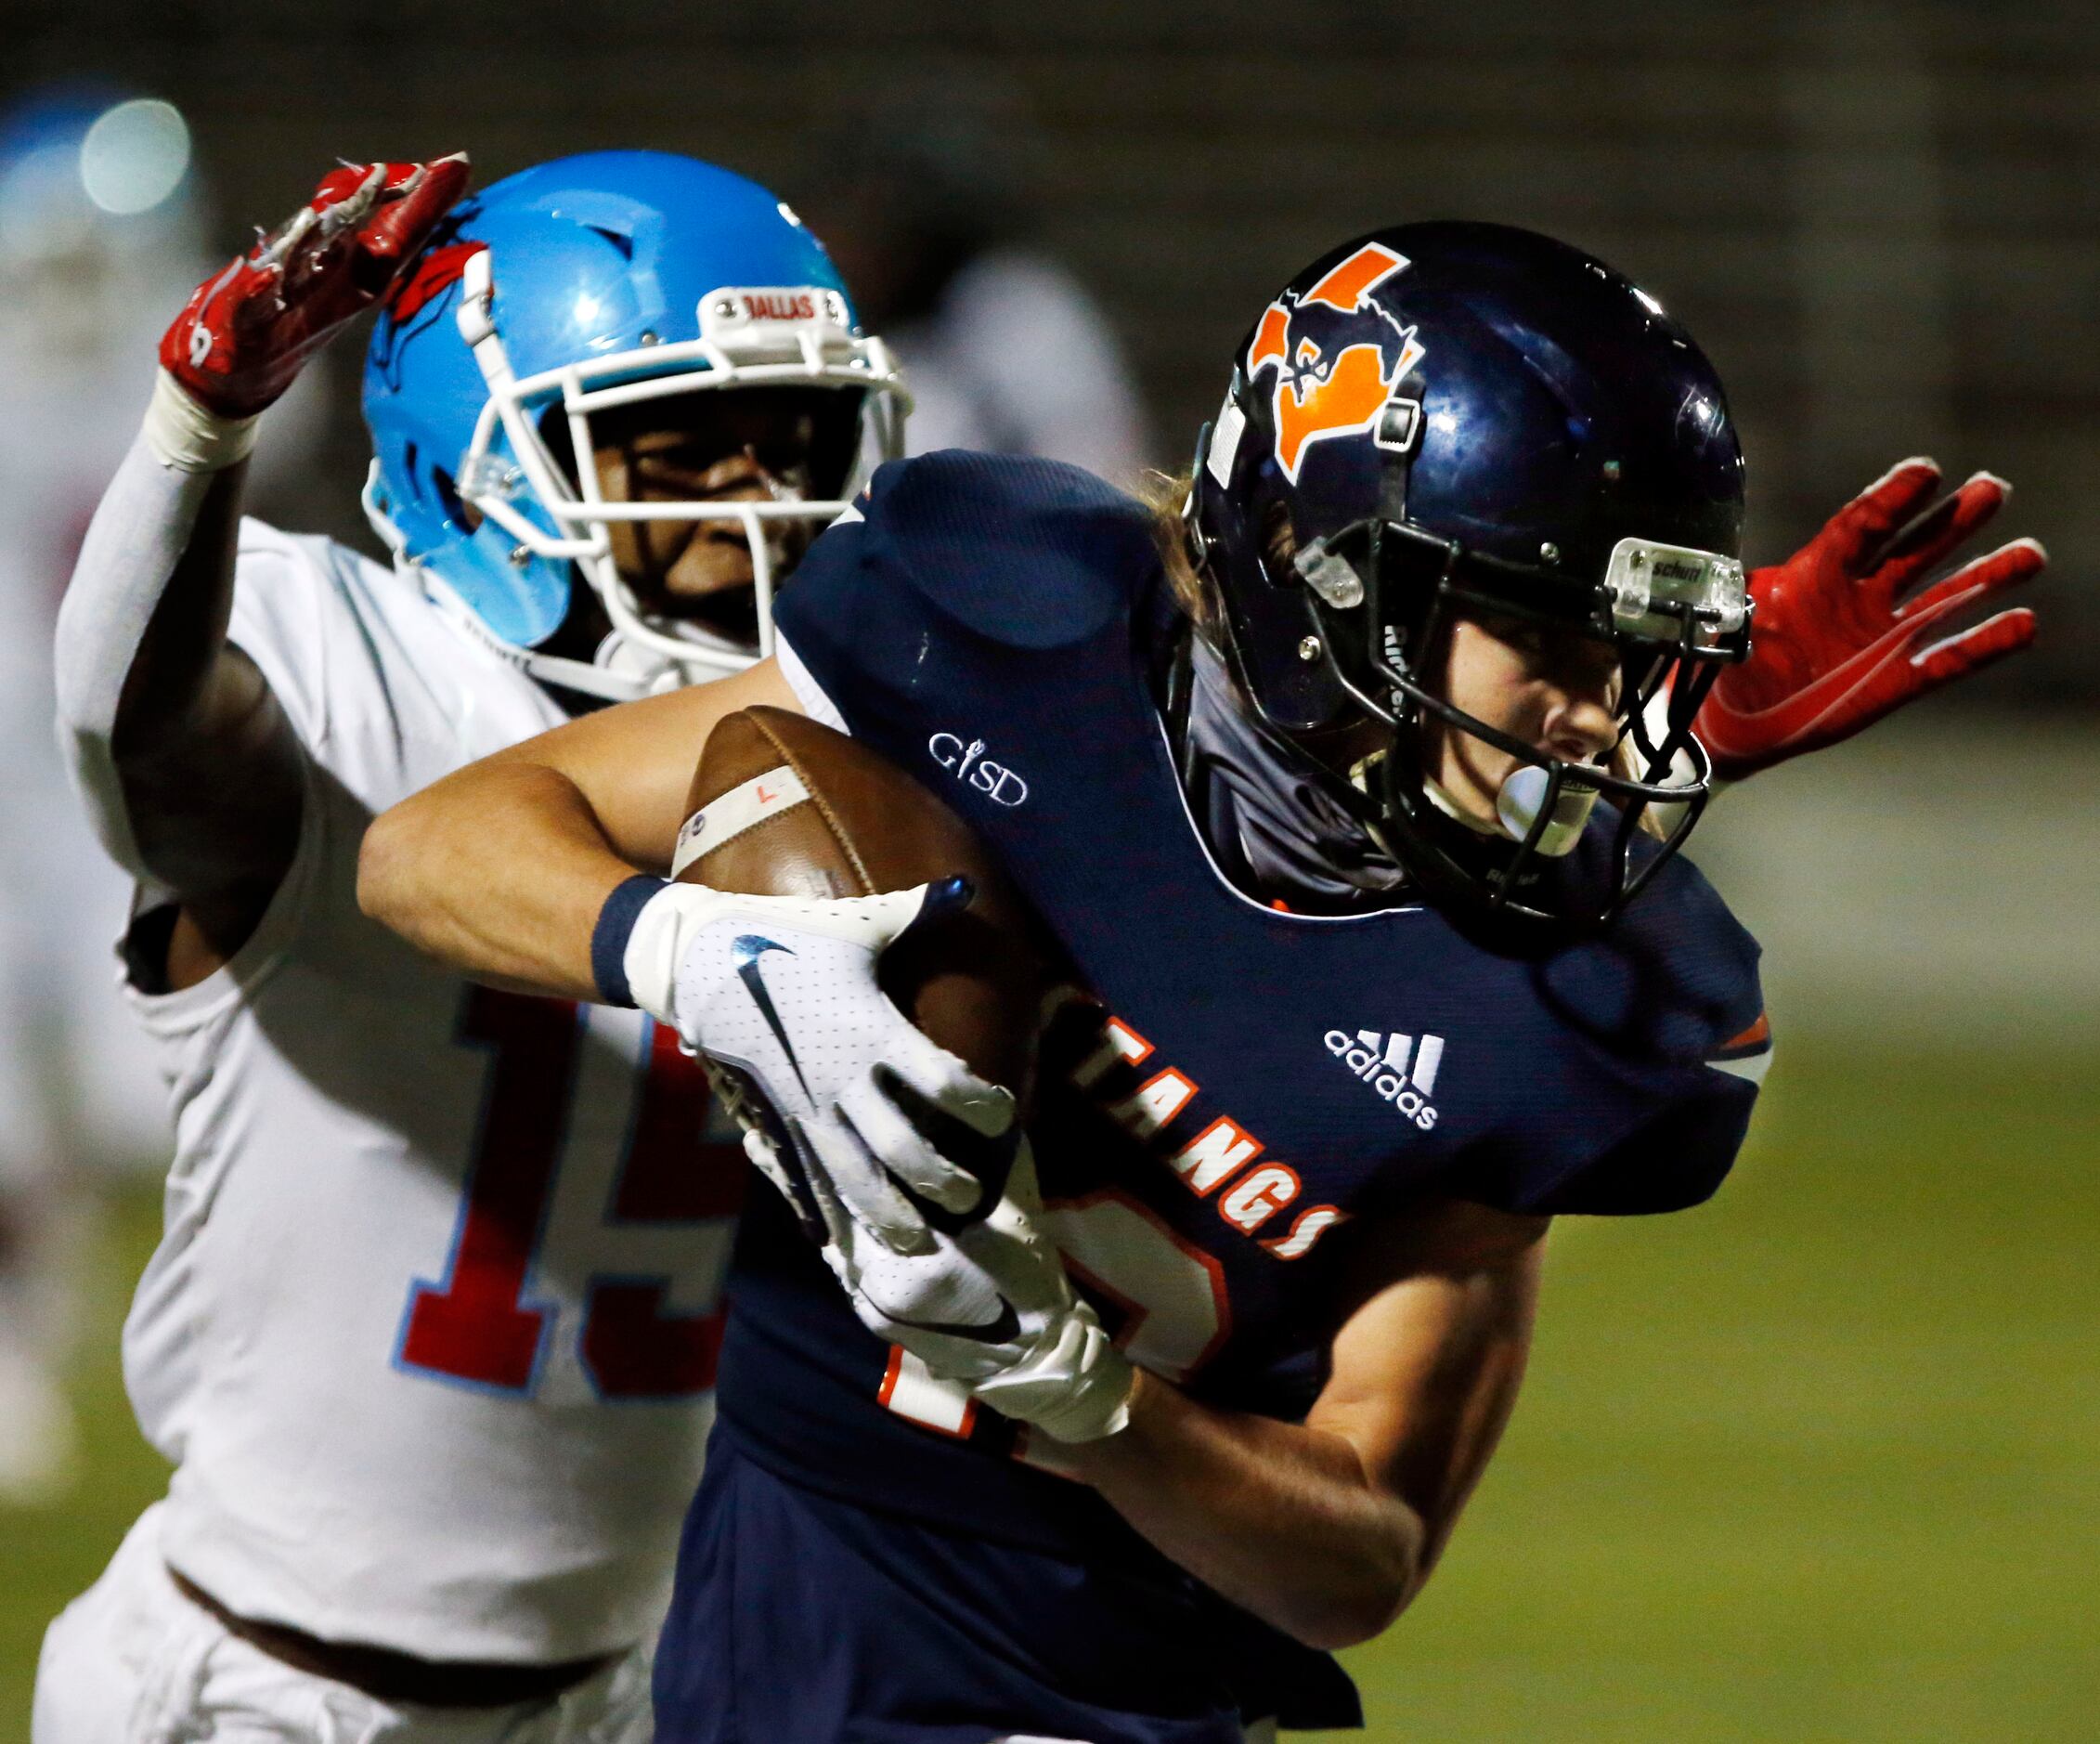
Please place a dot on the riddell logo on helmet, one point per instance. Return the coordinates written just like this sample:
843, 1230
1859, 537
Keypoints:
1398, 1070
1339, 356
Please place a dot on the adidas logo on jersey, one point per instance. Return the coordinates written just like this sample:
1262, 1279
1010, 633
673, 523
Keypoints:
1396, 1068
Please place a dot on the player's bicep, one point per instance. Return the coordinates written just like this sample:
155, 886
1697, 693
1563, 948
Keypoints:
633, 764
1424, 1371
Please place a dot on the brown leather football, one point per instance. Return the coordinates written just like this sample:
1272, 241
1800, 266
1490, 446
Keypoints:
781, 806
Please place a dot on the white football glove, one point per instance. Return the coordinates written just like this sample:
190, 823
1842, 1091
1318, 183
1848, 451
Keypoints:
985, 1302
911, 1171
779, 993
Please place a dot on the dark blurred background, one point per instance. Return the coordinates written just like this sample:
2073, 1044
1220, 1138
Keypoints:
1878, 215
1821, 1462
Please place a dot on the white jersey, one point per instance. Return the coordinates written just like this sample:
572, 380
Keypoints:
431, 1329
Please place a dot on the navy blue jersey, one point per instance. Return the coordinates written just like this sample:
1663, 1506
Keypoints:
1267, 1092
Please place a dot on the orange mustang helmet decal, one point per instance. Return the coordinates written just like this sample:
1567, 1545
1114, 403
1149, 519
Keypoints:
1337, 389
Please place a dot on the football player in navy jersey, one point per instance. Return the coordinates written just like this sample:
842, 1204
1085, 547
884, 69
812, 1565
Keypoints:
1352, 788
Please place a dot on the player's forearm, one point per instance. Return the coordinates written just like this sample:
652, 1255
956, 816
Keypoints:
500, 870
141, 648
146, 612
167, 689
1328, 1529
1280, 1518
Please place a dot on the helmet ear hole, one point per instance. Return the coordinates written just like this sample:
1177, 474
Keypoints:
457, 508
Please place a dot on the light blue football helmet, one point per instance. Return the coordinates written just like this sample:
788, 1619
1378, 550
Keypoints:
567, 289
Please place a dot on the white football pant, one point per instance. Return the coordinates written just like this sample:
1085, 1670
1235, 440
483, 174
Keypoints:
133, 1662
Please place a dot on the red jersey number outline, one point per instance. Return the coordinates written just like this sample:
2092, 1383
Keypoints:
477, 1326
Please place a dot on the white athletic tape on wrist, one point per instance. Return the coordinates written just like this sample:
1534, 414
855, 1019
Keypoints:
740, 809
656, 945
1077, 1390
187, 438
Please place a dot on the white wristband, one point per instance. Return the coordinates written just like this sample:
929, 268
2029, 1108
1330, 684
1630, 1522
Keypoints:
186, 439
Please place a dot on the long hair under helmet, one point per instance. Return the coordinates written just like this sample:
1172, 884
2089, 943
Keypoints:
564, 291
1446, 417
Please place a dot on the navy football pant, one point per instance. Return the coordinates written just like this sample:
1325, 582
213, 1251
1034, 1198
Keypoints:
802, 1619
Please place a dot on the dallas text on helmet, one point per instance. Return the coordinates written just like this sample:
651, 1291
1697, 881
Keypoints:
779, 306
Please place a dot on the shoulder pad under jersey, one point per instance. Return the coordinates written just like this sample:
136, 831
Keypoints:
1669, 998
1673, 980
1025, 551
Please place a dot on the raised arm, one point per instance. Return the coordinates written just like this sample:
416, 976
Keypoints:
188, 765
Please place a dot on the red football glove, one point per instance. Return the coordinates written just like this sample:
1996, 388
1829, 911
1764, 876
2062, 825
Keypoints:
1834, 646
249, 329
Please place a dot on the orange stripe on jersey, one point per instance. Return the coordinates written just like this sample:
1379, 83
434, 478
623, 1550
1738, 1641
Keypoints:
1761, 1031
1746, 1056
888, 1385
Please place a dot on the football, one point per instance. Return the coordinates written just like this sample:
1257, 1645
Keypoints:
781, 806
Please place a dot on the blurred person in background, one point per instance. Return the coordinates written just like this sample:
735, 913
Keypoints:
104, 220
102, 224
929, 208
430, 1335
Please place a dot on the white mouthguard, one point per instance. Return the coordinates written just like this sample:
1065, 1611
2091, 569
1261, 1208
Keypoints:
1523, 792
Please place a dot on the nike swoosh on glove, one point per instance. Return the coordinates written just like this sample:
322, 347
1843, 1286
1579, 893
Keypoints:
779, 996
984, 1301
1834, 645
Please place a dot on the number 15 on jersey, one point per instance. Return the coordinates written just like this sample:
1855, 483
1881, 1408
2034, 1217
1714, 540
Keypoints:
658, 1217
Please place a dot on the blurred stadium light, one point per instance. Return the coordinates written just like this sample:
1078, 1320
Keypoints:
1878, 214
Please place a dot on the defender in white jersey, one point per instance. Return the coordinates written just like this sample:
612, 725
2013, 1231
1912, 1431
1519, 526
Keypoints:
431, 1331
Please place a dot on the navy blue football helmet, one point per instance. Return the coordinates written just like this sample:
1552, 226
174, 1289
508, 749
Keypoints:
1444, 418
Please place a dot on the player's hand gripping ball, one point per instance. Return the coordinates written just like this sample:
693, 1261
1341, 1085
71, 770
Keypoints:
1836, 645
248, 329
867, 989
884, 979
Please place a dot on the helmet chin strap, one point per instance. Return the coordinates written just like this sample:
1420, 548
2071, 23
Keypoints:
621, 672
690, 647
623, 669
